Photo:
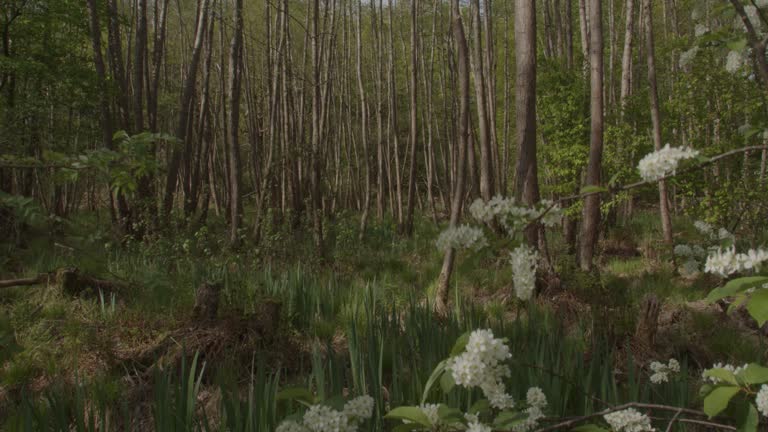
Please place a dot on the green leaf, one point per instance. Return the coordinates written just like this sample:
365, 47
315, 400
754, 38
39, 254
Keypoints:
754, 374
449, 415
447, 382
592, 189
736, 286
507, 419
480, 407
722, 374
748, 419
589, 428
758, 306
407, 427
460, 345
718, 399
296, 393
410, 413
738, 44
439, 369
336, 402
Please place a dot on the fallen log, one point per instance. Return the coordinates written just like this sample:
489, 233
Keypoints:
71, 281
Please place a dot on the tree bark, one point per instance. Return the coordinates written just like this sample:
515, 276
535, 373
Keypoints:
408, 225
626, 59
591, 215
444, 280
666, 220
234, 86
483, 127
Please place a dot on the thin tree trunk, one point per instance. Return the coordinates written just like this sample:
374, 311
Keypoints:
408, 226
234, 85
626, 59
486, 164
666, 220
591, 215
444, 280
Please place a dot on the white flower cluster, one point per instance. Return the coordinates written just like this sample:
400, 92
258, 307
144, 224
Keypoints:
761, 400
701, 30
629, 420
687, 57
661, 163
461, 237
322, 418
716, 235
537, 401
662, 371
734, 62
725, 262
476, 426
524, 261
482, 365
735, 370
430, 410
513, 216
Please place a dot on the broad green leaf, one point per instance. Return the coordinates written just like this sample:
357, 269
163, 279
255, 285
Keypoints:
296, 393
407, 427
410, 413
460, 345
736, 286
738, 44
718, 399
449, 415
748, 419
754, 374
758, 306
447, 382
592, 189
439, 369
507, 419
482, 406
589, 428
722, 375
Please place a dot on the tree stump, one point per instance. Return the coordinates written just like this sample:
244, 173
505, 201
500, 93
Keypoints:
648, 322
207, 299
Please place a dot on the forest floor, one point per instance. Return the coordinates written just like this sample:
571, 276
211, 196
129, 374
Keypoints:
281, 306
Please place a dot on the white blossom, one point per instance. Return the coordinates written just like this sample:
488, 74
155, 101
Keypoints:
461, 237
661, 163
536, 397
534, 415
430, 410
478, 427
482, 365
734, 62
661, 371
683, 250
725, 262
322, 418
735, 370
687, 57
524, 261
359, 408
762, 400
629, 420
701, 30
703, 227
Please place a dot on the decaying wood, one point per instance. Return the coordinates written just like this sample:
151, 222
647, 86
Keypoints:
648, 322
70, 280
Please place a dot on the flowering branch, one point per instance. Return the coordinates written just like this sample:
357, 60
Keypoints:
568, 423
635, 185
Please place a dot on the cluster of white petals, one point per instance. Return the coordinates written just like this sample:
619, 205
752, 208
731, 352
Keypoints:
725, 262
482, 365
735, 370
512, 216
322, 418
524, 261
734, 62
661, 163
430, 410
687, 57
629, 420
537, 401
461, 237
761, 400
708, 230
661, 371
476, 426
